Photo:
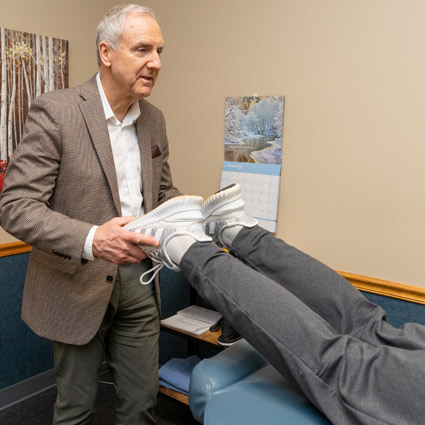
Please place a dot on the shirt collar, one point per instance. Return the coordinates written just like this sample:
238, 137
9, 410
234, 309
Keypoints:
132, 114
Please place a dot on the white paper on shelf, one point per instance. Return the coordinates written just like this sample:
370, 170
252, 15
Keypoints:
193, 319
201, 313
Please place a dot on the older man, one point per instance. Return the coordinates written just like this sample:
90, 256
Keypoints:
93, 158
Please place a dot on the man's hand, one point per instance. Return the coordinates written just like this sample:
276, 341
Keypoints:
113, 243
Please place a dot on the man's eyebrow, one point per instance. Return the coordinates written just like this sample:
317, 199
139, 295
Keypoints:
147, 44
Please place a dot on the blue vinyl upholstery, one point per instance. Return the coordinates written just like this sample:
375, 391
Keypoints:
238, 386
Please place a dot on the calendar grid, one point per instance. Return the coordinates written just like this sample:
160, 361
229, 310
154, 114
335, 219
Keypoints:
260, 189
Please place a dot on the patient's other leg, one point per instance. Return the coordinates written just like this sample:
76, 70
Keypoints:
350, 381
326, 292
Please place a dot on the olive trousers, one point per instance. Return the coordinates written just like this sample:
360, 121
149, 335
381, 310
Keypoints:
128, 340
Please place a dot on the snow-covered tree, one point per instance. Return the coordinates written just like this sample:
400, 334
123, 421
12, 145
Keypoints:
260, 118
232, 120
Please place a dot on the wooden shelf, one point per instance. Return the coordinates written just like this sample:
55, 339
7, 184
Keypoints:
182, 398
207, 337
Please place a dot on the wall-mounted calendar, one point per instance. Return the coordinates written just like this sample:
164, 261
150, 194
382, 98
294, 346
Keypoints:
260, 189
253, 153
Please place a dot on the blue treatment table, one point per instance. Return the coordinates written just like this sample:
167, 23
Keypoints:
238, 386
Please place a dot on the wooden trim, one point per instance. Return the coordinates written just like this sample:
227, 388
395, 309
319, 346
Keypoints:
386, 288
13, 248
373, 285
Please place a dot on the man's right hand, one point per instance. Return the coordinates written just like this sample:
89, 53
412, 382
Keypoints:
113, 243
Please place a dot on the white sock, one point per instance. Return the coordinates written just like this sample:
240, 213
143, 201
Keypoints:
229, 234
178, 246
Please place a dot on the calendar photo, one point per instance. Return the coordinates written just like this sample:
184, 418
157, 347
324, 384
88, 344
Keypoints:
254, 129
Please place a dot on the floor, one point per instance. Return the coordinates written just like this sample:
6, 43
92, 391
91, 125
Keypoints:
38, 410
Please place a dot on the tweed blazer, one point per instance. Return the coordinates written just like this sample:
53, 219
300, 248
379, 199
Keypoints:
60, 182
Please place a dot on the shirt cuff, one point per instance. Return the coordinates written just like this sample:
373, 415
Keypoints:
88, 246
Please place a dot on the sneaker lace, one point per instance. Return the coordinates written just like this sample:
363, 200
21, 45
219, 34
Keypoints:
155, 270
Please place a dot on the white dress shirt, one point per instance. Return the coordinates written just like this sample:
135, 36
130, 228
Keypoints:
126, 153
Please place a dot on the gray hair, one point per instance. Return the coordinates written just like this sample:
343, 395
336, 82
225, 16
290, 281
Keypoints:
112, 24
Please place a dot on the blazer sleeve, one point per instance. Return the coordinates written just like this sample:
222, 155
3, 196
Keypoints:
31, 180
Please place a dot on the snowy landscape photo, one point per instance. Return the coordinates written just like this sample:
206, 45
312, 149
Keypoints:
254, 129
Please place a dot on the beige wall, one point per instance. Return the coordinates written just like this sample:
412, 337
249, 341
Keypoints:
353, 74
74, 20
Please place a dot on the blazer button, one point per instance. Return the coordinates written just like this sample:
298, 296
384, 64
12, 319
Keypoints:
110, 279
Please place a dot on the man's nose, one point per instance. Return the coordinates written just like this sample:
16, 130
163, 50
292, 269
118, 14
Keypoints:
155, 61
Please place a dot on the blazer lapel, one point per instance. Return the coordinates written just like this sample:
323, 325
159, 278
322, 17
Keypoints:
94, 116
145, 158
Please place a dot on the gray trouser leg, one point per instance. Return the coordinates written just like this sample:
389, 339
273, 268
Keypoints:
323, 290
350, 381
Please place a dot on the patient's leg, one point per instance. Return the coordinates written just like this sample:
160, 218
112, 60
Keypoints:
323, 290
351, 381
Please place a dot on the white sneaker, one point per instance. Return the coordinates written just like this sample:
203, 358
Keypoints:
181, 215
225, 209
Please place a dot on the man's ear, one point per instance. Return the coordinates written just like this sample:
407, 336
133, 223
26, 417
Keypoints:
105, 51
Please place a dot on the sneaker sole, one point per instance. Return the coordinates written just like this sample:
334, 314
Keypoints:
218, 204
229, 343
179, 209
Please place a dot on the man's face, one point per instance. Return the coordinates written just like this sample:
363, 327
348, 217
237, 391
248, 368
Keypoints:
135, 65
